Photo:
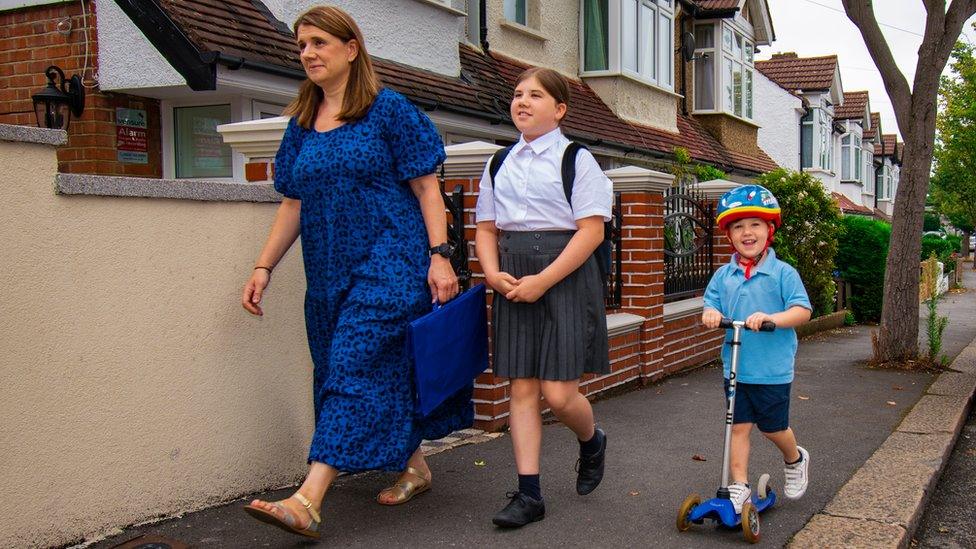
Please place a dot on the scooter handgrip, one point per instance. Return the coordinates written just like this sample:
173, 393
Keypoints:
725, 323
767, 326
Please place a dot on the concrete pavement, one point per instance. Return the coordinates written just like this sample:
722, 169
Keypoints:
842, 413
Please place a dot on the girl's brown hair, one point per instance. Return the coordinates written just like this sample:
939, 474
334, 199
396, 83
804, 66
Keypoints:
554, 83
363, 85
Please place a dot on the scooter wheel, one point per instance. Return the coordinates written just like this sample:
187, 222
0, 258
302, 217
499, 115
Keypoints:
750, 522
762, 487
687, 505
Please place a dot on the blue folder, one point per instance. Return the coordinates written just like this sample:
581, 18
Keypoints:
449, 347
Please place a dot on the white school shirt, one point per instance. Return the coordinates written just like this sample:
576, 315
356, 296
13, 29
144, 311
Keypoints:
529, 194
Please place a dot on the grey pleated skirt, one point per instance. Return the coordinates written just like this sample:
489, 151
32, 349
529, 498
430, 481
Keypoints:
562, 335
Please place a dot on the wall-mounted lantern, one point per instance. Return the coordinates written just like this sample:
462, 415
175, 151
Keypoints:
55, 104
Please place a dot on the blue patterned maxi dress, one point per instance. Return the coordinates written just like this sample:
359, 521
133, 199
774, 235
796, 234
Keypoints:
364, 244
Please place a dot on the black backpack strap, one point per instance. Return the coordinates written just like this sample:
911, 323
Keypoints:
569, 169
496, 162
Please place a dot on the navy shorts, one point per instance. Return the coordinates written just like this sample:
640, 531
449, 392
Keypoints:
768, 406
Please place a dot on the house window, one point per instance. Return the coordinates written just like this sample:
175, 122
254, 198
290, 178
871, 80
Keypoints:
806, 140
885, 190
731, 77
868, 164
199, 149
851, 164
634, 37
515, 11
704, 67
825, 135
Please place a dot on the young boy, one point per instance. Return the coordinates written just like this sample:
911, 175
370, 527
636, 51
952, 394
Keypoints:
757, 287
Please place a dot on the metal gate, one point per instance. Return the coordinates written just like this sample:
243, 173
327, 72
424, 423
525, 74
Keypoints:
689, 223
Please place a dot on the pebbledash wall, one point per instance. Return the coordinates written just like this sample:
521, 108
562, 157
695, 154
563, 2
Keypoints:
61, 33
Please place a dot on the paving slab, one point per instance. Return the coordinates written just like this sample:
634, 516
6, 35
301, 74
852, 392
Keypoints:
966, 361
953, 384
936, 413
892, 486
829, 531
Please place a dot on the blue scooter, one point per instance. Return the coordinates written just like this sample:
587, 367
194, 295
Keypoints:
719, 508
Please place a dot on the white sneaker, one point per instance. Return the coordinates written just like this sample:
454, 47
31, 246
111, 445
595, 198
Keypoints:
797, 476
739, 493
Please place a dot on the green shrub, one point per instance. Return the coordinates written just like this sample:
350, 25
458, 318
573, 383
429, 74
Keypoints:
931, 222
861, 258
943, 248
808, 238
706, 172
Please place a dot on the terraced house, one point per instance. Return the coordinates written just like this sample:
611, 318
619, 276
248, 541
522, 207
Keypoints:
813, 125
180, 116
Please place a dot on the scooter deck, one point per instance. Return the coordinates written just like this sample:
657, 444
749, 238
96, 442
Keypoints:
721, 510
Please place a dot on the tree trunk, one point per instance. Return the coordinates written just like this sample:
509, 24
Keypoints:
964, 246
898, 337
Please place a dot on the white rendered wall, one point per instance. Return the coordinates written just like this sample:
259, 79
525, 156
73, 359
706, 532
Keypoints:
413, 32
126, 58
778, 114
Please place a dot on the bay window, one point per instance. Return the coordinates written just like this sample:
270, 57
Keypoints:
816, 139
868, 164
851, 163
731, 77
632, 37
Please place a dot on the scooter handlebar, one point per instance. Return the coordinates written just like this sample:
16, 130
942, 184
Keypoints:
767, 326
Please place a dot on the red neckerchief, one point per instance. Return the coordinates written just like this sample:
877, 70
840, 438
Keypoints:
748, 264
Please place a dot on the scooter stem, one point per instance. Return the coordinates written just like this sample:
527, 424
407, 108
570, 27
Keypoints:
736, 342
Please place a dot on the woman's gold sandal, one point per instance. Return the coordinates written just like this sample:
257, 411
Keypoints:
405, 489
288, 523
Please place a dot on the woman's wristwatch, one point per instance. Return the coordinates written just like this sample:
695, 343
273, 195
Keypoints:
445, 249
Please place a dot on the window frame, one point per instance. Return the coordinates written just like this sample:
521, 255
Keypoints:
661, 73
512, 7
726, 63
852, 155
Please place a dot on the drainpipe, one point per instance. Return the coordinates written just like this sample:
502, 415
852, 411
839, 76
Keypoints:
483, 24
806, 111
692, 14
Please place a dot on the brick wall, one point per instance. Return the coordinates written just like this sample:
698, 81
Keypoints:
30, 41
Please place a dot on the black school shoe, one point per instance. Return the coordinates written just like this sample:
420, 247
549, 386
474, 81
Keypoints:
520, 511
590, 468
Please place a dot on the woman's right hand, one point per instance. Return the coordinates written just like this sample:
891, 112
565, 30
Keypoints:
254, 291
502, 282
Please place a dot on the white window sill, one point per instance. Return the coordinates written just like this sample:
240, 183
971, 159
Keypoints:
522, 29
729, 114
631, 77
443, 6
852, 182
820, 171
685, 307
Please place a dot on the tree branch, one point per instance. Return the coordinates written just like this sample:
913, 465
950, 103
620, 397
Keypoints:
861, 14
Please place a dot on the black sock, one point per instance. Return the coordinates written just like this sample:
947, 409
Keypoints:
798, 460
592, 446
530, 486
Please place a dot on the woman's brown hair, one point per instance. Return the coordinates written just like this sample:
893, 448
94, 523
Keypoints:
363, 85
554, 83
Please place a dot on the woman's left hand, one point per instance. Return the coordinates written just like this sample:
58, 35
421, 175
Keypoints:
529, 289
441, 279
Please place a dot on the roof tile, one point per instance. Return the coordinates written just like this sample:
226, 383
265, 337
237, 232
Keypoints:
793, 73
854, 105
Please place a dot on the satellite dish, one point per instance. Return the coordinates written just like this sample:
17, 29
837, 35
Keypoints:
688, 46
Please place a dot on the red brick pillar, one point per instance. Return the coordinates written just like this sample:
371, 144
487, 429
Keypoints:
638, 326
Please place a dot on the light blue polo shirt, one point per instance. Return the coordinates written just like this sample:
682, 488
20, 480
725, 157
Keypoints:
775, 286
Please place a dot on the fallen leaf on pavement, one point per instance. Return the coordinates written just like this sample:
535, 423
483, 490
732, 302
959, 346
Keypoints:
479, 462
801, 397
891, 403
898, 388
634, 493
698, 457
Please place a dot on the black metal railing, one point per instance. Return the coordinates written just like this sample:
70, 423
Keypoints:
454, 203
614, 282
689, 224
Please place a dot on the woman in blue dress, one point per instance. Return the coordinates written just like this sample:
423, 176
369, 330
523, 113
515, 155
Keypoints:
356, 167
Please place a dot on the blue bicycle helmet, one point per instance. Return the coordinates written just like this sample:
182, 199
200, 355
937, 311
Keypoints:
748, 201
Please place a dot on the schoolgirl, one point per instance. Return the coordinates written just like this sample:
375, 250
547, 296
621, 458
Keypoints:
536, 250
